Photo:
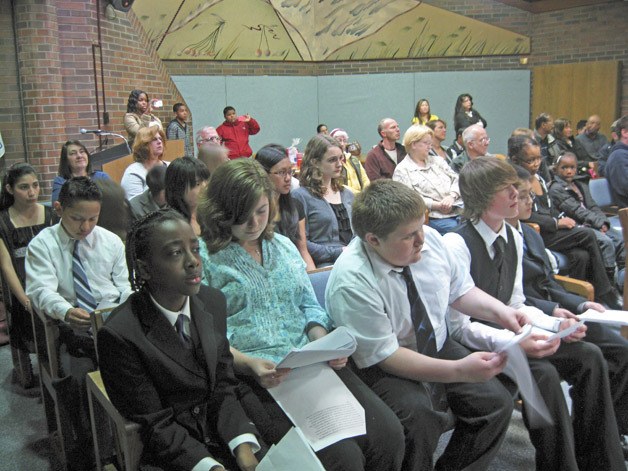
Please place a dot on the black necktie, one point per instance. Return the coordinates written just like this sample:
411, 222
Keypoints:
179, 326
425, 339
499, 245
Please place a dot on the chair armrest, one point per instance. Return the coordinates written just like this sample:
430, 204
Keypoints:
579, 287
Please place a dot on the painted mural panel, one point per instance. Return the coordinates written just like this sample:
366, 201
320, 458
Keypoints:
318, 30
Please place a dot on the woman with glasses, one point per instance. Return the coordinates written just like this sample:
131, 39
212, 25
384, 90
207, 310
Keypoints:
431, 177
290, 220
326, 201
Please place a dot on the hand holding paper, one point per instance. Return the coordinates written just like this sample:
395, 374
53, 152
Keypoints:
338, 344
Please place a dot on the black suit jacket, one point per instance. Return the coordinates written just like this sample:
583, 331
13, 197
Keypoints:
539, 286
185, 399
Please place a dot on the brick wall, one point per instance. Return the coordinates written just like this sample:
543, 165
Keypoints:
576, 35
54, 46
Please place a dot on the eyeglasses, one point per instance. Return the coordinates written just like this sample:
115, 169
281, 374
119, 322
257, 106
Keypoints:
282, 173
482, 140
216, 139
526, 196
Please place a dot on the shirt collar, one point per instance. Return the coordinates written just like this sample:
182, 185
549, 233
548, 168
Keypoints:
172, 316
67, 240
488, 235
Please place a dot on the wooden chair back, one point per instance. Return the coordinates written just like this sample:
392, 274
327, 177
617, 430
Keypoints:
47, 350
126, 434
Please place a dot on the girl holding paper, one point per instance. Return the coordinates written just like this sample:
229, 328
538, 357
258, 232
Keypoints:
272, 308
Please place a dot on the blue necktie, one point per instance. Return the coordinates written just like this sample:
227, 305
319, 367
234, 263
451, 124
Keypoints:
84, 297
425, 339
179, 326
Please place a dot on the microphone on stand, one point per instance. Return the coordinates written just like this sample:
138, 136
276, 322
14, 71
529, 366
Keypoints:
100, 132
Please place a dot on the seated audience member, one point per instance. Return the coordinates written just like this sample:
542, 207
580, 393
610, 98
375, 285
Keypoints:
591, 139
272, 308
431, 177
148, 151
326, 201
71, 269
581, 127
573, 198
560, 232
382, 159
606, 149
21, 219
543, 170
290, 220
115, 212
464, 113
422, 113
391, 287
178, 128
543, 134
139, 114
154, 197
187, 404
457, 146
439, 128
213, 155
74, 162
352, 171
491, 250
476, 143
617, 166
235, 132
207, 135
543, 291
565, 142
185, 179
321, 129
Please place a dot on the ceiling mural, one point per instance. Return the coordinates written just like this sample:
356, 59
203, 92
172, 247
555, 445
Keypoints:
317, 30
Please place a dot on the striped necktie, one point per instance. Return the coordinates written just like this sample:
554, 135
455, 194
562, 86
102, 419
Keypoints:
84, 297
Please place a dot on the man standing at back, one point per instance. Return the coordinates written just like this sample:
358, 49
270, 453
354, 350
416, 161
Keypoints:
384, 157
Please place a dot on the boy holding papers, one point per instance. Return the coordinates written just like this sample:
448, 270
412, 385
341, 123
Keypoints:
391, 288
491, 250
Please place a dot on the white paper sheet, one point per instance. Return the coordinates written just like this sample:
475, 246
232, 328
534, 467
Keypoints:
606, 317
318, 402
565, 332
339, 343
291, 453
516, 340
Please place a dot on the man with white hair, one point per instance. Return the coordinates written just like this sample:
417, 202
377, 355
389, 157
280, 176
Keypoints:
476, 143
207, 135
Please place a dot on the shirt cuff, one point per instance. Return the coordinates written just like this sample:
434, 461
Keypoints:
205, 464
244, 438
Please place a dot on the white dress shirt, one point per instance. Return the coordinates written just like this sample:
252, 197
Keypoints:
369, 296
477, 335
49, 279
207, 462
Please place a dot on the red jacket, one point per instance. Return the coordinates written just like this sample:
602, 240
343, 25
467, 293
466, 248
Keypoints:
235, 137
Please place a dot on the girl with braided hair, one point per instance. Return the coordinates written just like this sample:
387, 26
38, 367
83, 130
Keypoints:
165, 359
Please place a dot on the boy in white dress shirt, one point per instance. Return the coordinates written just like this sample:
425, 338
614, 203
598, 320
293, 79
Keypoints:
71, 269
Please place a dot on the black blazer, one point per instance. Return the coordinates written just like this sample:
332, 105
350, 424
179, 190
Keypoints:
184, 399
539, 286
